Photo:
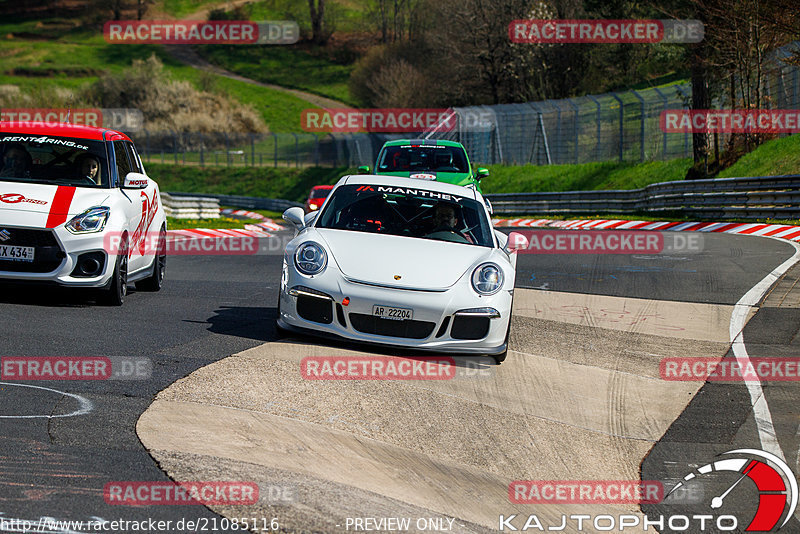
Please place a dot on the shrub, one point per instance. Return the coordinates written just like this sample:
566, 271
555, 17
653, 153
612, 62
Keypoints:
169, 104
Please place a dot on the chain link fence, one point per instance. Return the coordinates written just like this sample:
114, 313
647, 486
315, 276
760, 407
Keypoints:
618, 126
258, 150
621, 126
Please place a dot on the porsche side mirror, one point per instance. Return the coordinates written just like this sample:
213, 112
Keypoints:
481, 173
516, 241
295, 216
363, 169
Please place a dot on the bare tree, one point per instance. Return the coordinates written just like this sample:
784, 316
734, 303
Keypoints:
739, 39
117, 7
316, 9
395, 20
474, 59
141, 8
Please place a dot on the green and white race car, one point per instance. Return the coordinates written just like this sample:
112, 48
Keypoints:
428, 159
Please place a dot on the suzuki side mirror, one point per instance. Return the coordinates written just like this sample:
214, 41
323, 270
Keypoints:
135, 180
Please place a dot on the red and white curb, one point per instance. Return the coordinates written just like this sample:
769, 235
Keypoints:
205, 233
782, 231
266, 224
242, 213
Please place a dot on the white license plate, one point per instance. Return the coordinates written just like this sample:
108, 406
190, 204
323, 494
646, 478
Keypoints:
8, 252
398, 314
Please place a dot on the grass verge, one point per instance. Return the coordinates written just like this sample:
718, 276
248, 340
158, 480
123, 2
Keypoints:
266, 182
47, 58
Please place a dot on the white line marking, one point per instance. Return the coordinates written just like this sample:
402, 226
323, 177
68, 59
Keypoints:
85, 404
763, 417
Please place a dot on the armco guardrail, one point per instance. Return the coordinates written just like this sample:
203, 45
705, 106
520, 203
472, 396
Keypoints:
766, 197
190, 207
257, 203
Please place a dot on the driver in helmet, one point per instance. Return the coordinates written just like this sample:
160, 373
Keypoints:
89, 168
16, 162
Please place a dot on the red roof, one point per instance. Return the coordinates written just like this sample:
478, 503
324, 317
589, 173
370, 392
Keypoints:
62, 130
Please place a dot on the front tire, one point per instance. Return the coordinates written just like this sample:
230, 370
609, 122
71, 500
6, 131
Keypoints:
500, 358
115, 293
156, 280
280, 332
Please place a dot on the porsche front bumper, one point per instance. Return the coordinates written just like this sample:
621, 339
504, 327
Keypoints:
456, 320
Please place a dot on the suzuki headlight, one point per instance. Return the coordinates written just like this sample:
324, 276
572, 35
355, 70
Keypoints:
310, 258
91, 220
487, 279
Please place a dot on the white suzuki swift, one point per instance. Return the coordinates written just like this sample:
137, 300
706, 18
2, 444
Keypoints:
77, 209
403, 262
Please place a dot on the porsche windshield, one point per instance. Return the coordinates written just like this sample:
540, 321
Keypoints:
412, 158
52, 159
407, 212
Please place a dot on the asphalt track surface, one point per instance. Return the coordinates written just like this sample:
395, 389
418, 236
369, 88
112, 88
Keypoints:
216, 306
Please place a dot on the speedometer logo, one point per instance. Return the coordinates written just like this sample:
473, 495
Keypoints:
775, 484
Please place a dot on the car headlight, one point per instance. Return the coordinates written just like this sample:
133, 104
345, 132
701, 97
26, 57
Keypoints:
310, 258
313, 207
91, 220
487, 279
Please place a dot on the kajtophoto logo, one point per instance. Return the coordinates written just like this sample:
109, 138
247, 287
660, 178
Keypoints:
716, 497
775, 484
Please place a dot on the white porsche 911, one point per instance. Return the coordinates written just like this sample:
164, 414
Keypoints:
76, 209
403, 262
